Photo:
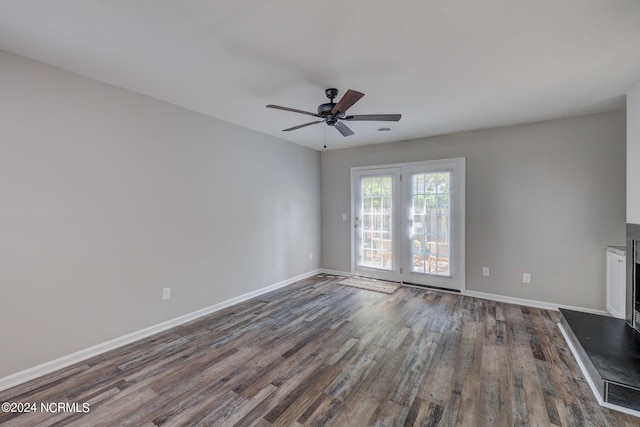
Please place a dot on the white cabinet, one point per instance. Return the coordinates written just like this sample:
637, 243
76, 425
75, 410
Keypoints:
616, 273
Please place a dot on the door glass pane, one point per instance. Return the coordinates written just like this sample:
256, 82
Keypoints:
431, 230
375, 231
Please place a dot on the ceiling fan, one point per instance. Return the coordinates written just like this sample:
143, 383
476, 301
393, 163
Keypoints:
335, 114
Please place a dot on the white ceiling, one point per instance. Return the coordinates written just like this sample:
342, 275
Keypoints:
446, 65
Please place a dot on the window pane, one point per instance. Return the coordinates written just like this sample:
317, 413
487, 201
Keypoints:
375, 233
430, 205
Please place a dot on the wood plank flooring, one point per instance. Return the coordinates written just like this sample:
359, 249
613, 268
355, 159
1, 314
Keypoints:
318, 354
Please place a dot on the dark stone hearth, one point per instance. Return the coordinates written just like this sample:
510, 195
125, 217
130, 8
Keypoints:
613, 352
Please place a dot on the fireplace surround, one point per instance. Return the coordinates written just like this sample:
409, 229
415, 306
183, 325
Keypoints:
632, 314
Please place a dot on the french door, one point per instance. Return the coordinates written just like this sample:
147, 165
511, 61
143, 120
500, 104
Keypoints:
377, 223
408, 223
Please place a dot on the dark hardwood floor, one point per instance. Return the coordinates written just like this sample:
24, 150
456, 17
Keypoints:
318, 354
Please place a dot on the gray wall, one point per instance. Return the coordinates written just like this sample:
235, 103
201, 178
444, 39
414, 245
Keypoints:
108, 196
542, 198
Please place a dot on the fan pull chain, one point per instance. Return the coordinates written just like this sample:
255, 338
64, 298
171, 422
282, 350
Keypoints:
325, 136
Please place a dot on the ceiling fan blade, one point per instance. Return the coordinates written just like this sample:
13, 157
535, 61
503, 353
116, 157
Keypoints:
301, 126
343, 129
375, 117
293, 110
347, 100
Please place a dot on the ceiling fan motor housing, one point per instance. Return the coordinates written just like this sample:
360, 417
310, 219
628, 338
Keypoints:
325, 109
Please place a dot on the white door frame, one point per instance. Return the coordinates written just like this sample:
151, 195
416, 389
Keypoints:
401, 257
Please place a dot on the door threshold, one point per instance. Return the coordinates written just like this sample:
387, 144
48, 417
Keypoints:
434, 288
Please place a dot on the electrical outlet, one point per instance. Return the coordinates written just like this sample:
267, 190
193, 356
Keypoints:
344, 217
166, 294
310, 255
486, 272
526, 277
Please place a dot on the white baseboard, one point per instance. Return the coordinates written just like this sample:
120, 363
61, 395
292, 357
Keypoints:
500, 298
586, 375
70, 359
532, 303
